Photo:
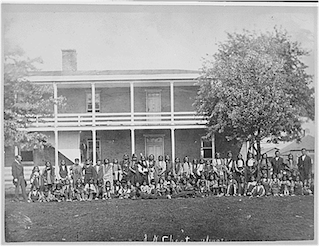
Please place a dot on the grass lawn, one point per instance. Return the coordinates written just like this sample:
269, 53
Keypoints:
212, 218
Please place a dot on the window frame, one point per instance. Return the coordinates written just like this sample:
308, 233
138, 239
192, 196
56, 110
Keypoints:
202, 147
89, 94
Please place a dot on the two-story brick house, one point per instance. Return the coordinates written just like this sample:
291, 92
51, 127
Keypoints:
121, 111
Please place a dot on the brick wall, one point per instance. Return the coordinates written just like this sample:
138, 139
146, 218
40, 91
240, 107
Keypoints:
188, 142
184, 97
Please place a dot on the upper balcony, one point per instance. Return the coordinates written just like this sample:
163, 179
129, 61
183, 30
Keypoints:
147, 99
118, 121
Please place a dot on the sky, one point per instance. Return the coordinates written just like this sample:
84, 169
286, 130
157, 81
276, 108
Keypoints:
145, 37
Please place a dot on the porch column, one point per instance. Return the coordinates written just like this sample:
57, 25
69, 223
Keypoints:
131, 101
172, 101
56, 139
93, 100
133, 147
213, 146
173, 145
56, 153
94, 146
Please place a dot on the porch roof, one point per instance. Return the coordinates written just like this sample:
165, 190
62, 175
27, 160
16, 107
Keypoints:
112, 75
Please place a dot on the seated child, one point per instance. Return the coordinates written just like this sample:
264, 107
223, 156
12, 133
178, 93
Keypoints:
242, 186
171, 187
266, 182
184, 189
231, 186
307, 187
46, 195
144, 188
203, 185
275, 185
212, 184
107, 193
90, 190
135, 191
291, 186
298, 186
130, 189
222, 187
161, 188
67, 190
123, 192
34, 194
260, 190
251, 186
58, 191
79, 190
285, 186
100, 187
153, 187
312, 185
117, 189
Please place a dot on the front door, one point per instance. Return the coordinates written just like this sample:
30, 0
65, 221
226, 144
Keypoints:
153, 104
155, 146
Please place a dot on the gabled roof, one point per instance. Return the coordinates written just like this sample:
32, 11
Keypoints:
114, 72
306, 142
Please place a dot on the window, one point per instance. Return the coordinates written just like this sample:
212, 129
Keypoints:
206, 147
89, 102
27, 156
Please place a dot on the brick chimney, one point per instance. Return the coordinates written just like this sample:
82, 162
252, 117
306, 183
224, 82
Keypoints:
69, 60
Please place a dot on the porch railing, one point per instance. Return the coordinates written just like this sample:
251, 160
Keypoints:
119, 119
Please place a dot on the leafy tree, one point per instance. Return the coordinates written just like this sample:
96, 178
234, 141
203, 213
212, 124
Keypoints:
24, 100
256, 86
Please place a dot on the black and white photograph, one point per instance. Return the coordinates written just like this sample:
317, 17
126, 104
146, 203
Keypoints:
159, 122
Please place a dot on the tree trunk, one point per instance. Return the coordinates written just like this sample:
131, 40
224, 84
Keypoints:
258, 140
258, 149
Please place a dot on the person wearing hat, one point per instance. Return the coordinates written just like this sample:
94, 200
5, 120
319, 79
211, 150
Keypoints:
18, 178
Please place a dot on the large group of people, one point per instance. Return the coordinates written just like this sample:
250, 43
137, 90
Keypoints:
151, 178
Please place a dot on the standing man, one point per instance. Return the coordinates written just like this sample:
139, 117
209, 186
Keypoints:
277, 163
305, 165
76, 172
18, 178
